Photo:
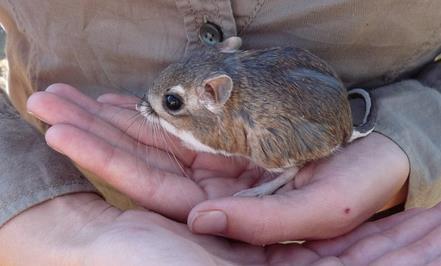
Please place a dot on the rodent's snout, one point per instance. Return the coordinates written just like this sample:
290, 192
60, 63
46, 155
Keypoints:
141, 102
144, 106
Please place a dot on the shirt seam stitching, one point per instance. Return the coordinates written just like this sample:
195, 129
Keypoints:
251, 17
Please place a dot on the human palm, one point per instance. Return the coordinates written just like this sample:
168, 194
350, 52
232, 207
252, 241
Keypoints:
115, 141
82, 229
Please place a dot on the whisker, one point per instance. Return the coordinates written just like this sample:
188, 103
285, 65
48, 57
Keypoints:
171, 146
138, 145
164, 137
135, 119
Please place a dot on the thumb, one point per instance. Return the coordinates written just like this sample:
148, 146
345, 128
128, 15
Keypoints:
309, 213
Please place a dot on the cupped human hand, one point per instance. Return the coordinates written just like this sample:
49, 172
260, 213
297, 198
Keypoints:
83, 229
116, 144
327, 198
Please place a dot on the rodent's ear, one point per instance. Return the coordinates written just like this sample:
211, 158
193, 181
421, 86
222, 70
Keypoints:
230, 45
215, 91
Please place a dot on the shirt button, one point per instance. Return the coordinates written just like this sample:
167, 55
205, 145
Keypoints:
210, 33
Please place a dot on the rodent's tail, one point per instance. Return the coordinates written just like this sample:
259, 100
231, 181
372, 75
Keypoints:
370, 115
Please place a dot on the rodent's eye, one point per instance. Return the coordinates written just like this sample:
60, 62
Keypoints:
172, 102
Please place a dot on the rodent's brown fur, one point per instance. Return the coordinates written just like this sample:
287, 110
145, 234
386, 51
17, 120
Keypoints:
287, 106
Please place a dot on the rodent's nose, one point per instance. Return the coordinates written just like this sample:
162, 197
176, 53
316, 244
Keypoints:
141, 103
144, 107
138, 107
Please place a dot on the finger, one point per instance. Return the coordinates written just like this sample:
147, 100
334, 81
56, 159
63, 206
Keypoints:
70, 93
421, 252
157, 190
294, 252
395, 238
336, 246
124, 119
75, 96
309, 213
119, 100
435, 262
55, 110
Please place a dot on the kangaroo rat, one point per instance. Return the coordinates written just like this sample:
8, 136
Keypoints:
279, 107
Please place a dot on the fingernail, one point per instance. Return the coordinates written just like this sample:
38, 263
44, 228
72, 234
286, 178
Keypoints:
213, 222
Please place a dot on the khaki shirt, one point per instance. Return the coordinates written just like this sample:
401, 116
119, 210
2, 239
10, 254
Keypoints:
110, 45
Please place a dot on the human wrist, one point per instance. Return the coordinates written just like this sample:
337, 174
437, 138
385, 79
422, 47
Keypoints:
41, 234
